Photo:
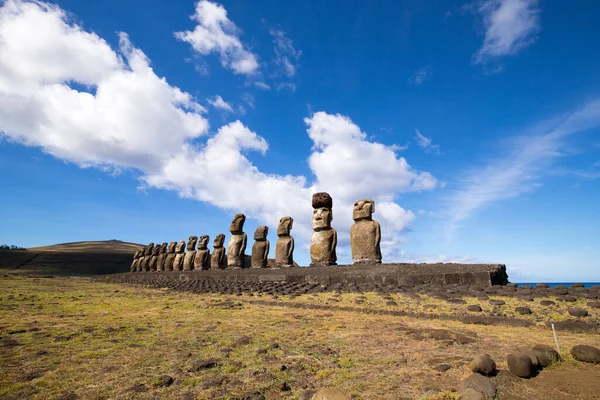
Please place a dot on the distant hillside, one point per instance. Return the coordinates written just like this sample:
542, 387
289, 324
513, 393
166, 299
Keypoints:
78, 258
104, 246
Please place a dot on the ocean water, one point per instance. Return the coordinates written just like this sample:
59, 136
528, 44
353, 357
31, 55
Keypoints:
567, 284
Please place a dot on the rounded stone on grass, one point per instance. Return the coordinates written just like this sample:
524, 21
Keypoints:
474, 308
577, 312
483, 364
542, 285
479, 383
523, 310
546, 354
520, 364
547, 303
471, 394
330, 394
585, 353
593, 304
497, 302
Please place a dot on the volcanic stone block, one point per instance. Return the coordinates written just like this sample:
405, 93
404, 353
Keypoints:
202, 258
188, 260
323, 241
217, 259
170, 259
154, 257
135, 262
162, 257
365, 234
237, 243
179, 256
260, 248
284, 249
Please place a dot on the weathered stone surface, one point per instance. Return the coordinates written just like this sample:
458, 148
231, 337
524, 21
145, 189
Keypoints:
365, 234
593, 304
199, 365
188, 260
147, 257
179, 256
135, 262
154, 257
164, 381
162, 257
170, 258
474, 308
483, 364
284, 249
520, 364
585, 353
471, 394
547, 303
322, 200
202, 257
237, 243
497, 302
218, 259
542, 285
260, 248
533, 356
546, 354
479, 383
323, 241
330, 394
577, 312
523, 310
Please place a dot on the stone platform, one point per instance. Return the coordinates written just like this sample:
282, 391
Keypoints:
369, 274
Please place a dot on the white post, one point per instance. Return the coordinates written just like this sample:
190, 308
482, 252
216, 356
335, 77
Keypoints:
555, 339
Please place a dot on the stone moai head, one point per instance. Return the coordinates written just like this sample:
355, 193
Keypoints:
136, 254
322, 214
261, 233
163, 247
156, 250
237, 225
142, 252
219, 240
363, 209
172, 247
203, 243
191, 244
149, 249
285, 226
180, 247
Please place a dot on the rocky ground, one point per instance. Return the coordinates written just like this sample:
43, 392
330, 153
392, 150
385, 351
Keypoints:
77, 338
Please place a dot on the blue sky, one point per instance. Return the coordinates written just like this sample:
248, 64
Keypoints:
474, 126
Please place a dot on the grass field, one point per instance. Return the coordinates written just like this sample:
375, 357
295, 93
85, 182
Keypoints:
76, 338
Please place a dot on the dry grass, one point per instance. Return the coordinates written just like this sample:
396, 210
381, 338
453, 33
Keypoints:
98, 340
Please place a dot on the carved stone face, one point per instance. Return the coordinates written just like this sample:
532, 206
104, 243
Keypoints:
172, 247
219, 240
261, 233
149, 249
136, 255
156, 250
203, 243
363, 209
322, 218
180, 247
163, 247
285, 226
191, 244
237, 225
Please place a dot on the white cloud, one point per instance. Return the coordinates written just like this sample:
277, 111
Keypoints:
421, 75
286, 56
131, 118
220, 104
425, 143
215, 32
262, 85
286, 86
511, 25
525, 160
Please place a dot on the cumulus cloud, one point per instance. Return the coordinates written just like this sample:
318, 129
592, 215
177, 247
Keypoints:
220, 104
426, 143
421, 75
526, 158
215, 32
510, 26
126, 116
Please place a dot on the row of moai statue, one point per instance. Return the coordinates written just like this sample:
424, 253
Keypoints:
173, 257
365, 239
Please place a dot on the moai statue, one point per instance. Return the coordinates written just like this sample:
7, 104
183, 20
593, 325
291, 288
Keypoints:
217, 259
154, 257
202, 259
237, 243
260, 248
162, 257
188, 260
324, 238
136, 261
179, 256
365, 234
170, 256
147, 257
285, 244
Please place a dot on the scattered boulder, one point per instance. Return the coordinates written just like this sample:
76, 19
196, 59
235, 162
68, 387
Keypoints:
520, 364
568, 298
164, 381
546, 354
456, 301
534, 360
523, 310
199, 365
497, 302
307, 394
547, 303
577, 312
330, 394
471, 394
585, 353
474, 308
479, 383
542, 285
577, 285
593, 304
483, 364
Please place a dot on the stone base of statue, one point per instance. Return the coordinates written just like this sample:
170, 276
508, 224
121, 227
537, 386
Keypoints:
322, 264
